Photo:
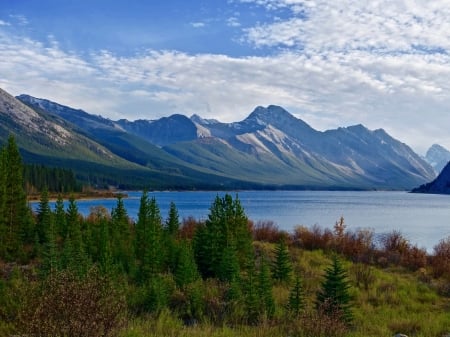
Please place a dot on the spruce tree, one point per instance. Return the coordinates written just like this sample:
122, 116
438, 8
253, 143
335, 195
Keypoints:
173, 222
282, 266
296, 297
225, 235
74, 252
171, 228
60, 217
334, 297
15, 203
149, 250
44, 217
3, 231
267, 303
121, 236
50, 259
186, 270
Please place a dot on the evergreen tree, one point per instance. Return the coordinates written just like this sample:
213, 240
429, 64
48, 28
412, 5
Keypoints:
334, 297
3, 228
44, 217
282, 266
229, 265
296, 297
226, 234
251, 295
267, 303
121, 236
186, 271
172, 223
74, 252
15, 208
50, 260
171, 228
105, 255
60, 217
149, 250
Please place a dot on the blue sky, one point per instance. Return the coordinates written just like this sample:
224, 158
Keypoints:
384, 63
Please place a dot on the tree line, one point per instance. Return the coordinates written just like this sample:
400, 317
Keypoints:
207, 270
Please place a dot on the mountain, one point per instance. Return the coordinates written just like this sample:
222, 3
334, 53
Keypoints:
96, 148
349, 157
440, 185
438, 157
270, 148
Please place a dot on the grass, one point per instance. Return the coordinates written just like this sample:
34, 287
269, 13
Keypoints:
395, 301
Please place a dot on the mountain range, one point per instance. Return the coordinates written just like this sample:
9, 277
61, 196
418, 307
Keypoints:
270, 148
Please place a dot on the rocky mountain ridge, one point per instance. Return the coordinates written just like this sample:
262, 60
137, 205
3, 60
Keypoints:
270, 147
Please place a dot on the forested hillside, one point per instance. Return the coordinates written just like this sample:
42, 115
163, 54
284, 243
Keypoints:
62, 274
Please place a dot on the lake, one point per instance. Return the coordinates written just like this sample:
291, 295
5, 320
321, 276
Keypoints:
423, 219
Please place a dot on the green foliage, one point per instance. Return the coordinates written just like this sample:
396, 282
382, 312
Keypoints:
75, 257
282, 266
121, 236
334, 296
224, 238
55, 179
15, 225
149, 249
267, 304
186, 269
296, 302
44, 217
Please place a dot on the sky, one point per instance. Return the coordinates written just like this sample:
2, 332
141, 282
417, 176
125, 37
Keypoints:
381, 63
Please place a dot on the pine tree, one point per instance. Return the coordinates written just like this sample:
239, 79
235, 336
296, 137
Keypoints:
148, 238
60, 217
172, 223
296, 297
121, 236
225, 229
74, 252
44, 217
105, 255
3, 228
282, 266
15, 204
186, 270
334, 297
171, 228
267, 303
50, 259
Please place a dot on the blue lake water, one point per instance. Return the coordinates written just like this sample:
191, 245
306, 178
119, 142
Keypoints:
423, 219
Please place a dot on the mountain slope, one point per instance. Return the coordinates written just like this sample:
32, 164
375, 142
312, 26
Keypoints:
438, 157
440, 185
346, 157
269, 148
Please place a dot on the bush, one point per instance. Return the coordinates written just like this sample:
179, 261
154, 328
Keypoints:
66, 305
441, 259
267, 231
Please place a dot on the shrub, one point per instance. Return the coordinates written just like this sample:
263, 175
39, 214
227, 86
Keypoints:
267, 231
441, 259
66, 305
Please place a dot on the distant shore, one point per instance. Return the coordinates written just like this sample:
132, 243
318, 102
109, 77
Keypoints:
84, 195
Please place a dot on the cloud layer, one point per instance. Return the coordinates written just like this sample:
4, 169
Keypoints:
380, 63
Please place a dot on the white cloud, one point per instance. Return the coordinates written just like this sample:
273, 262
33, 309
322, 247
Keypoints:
233, 22
4, 23
21, 20
198, 24
383, 64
